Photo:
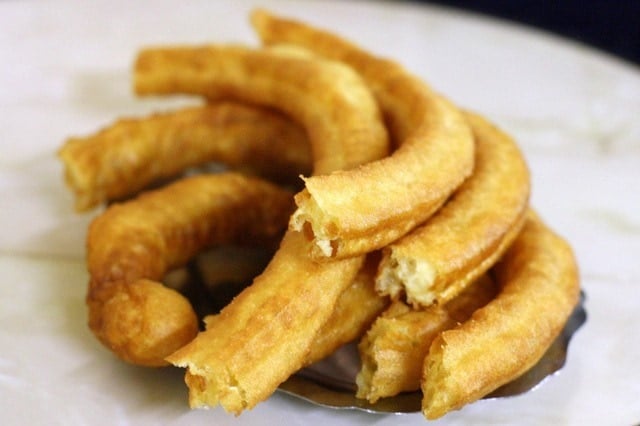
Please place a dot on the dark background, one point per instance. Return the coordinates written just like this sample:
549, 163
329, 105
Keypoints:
612, 26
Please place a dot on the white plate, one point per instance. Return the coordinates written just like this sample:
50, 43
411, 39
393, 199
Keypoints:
66, 70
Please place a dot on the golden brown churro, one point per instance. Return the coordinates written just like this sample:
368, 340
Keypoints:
539, 289
356, 309
130, 154
263, 336
133, 244
394, 348
321, 95
343, 212
465, 238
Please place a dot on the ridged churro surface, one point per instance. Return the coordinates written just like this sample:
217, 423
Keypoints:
539, 289
321, 95
264, 335
394, 348
469, 233
132, 245
132, 153
358, 211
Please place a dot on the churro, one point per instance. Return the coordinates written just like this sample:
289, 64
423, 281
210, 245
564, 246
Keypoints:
342, 213
264, 335
394, 348
355, 311
130, 154
133, 244
539, 289
469, 233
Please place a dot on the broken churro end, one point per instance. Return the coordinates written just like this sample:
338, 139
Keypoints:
205, 389
435, 402
416, 276
316, 225
143, 321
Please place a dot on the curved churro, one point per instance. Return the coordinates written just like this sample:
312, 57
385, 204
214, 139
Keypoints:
264, 335
357, 211
393, 349
539, 288
356, 309
437, 260
130, 154
133, 244
321, 95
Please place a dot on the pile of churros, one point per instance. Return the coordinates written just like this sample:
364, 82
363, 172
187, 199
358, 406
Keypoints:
410, 230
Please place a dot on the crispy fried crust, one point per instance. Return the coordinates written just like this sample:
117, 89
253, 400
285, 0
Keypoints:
466, 237
539, 288
132, 245
131, 153
343, 212
393, 349
356, 309
322, 95
264, 334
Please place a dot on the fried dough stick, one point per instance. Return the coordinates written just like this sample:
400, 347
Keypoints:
355, 311
264, 335
343, 212
127, 156
132, 245
539, 288
321, 95
393, 349
466, 237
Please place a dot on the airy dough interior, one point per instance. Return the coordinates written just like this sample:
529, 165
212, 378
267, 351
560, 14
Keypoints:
410, 275
314, 222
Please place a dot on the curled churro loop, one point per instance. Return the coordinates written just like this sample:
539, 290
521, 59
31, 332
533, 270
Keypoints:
264, 335
132, 245
321, 95
343, 212
539, 289
466, 237
130, 154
